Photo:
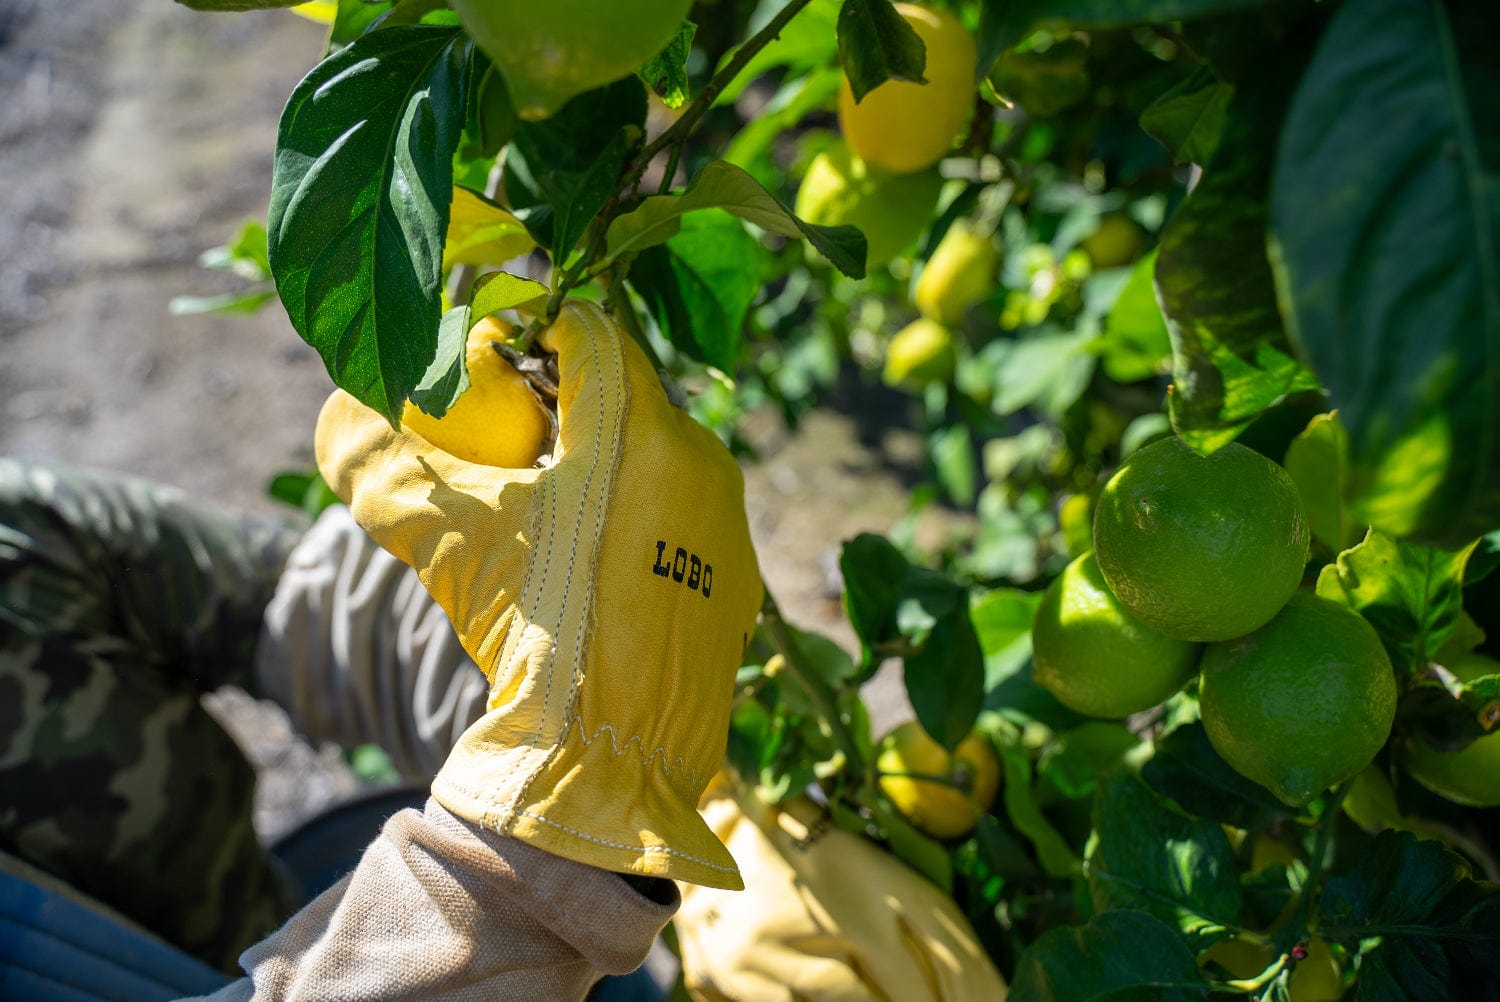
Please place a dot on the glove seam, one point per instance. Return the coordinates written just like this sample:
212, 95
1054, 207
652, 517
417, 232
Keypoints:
680, 766
585, 612
642, 849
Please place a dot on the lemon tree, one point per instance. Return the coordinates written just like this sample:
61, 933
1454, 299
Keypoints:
1204, 288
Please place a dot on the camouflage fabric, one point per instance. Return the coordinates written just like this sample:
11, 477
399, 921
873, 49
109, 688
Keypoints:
120, 604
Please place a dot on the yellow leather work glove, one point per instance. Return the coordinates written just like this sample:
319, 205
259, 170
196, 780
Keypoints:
608, 598
826, 915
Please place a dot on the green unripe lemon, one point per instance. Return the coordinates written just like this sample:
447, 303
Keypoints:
1302, 703
553, 50
1097, 658
1116, 242
1471, 775
891, 210
960, 272
919, 353
903, 127
1201, 548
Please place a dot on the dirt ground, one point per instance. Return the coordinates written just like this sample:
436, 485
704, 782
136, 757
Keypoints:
134, 134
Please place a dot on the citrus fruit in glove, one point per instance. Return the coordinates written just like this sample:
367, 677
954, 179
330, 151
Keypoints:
891, 211
941, 793
1200, 548
1097, 658
1471, 775
498, 420
902, 126
553, 50
1302, 703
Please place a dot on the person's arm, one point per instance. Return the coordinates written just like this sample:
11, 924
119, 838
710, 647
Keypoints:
440, 909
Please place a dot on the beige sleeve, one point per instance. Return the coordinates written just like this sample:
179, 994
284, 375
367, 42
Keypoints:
439, 909
356, 651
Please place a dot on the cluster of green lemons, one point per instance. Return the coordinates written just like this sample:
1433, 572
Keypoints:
1196, 569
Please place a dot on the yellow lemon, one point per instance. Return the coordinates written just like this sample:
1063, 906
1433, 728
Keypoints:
940, 793
919, 353
960, 272
903, 127
498, 420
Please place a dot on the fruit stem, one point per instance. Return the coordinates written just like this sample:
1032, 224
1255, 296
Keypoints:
678, 130
1320, 848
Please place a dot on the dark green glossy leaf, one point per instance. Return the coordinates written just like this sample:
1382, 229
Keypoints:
666, 72
1387, 220
1119, 956
354, 18
876, 44
700, 285
872, 569
1150, 856
1003, 23
1439, 929
448, 375
1188, 119
1188, 771
945, 678
561, 171
1411, 594
359, 205
1230, 357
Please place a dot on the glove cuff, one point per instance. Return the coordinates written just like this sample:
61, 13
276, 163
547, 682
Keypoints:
651, 828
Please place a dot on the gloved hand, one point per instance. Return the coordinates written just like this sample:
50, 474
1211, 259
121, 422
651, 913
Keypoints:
826, 916
607, 597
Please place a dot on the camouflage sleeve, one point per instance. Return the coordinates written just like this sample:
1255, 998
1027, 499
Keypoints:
107, 562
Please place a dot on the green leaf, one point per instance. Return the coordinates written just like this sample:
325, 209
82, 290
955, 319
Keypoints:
873, 570
1135, 344
700, 285
491, 119
808, 42
354, 18
1411, 594
1119, 956
876, 44
1189, 118
724, 186
359, 206
1047, 371
1044, 82
1188, 771
752, 146
1003, 23
927, 856
499, 290
1386, 206
666, 72
560, 172
945, 678
1230, 359
247, 301
1318, 461
1438, 928
953, 461
245, 255
448, 375
1149, 856
1021, 807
